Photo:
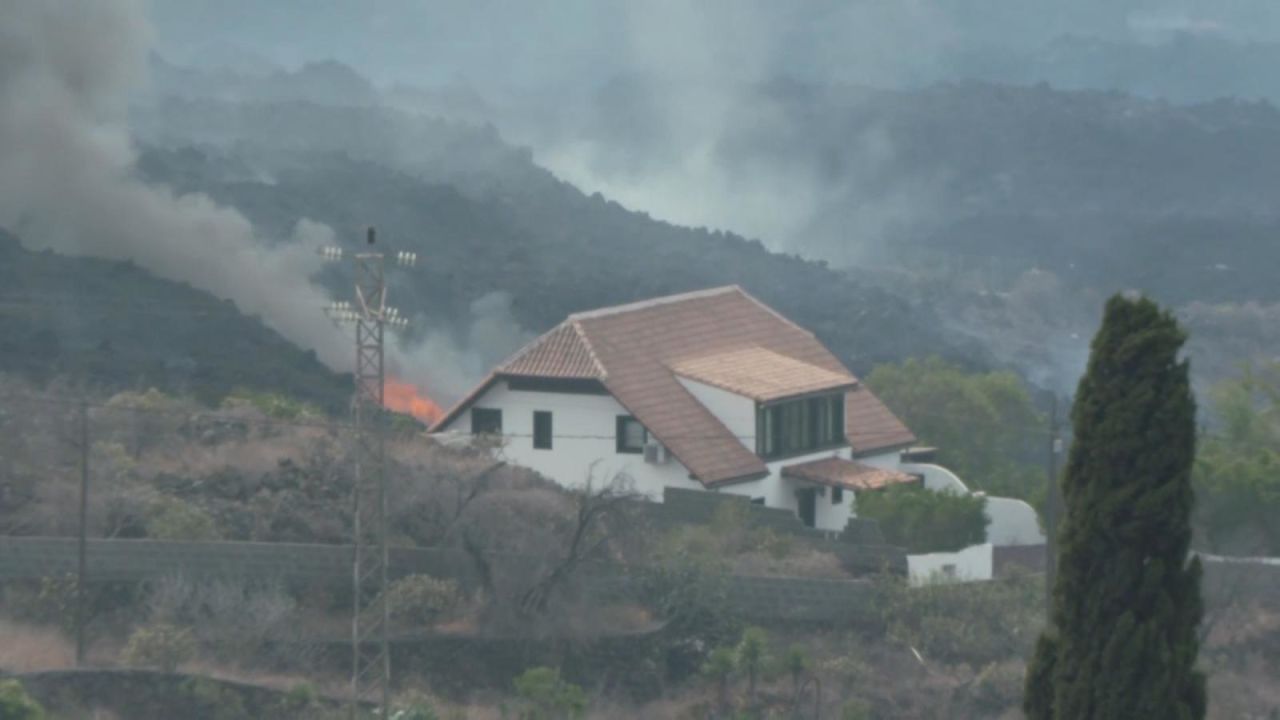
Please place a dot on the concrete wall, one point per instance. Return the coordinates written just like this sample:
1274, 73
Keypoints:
969, 564
756, 598
131, 560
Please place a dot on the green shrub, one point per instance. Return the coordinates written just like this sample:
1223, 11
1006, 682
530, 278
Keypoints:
421, 599
298, 698
997, 688
160, 646
545, 695
173, 519
924, 521
16, 704
211, 700
55, 602
795, 664
273, 404
719, 668
752, 650
691, 594
855, 710
414, 706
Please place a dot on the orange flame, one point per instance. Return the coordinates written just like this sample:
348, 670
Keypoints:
404, 397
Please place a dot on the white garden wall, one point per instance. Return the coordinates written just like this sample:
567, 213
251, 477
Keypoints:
971, 563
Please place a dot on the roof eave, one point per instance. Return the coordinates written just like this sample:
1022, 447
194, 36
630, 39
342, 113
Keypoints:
772, 399
461, 406
880, 449
735, 479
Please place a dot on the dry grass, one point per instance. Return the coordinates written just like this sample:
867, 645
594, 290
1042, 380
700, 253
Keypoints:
28, 648
801, 561
330, 685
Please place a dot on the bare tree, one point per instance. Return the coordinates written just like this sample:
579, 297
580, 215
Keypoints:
600, 516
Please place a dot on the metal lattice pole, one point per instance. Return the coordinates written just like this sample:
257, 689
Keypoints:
370, 654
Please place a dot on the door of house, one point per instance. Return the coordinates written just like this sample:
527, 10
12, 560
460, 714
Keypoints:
808, 505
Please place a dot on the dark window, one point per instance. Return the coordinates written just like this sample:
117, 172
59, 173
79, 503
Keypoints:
486, 421
795, 427
808, 506
757, 501
837, 496
631, 435
541, 430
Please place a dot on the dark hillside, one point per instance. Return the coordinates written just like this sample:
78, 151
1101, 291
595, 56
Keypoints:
553, 249
115, 326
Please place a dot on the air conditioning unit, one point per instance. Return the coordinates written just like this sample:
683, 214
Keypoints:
656, 453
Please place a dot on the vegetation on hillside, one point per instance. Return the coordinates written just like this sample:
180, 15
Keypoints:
1237, 471
984, 424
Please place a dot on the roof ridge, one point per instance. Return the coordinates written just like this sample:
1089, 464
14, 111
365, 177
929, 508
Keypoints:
655, 302
586, 342
526, 348
777, 314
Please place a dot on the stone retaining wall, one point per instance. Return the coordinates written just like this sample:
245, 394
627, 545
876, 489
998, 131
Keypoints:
757, 598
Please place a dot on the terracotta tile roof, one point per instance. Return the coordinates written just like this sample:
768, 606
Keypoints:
870, 426
760, 374
848, 474
632, 348
561, 353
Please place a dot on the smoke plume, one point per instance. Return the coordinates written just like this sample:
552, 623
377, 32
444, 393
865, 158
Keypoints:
67, 179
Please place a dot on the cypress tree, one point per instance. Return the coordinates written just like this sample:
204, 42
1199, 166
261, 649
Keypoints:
1122, 640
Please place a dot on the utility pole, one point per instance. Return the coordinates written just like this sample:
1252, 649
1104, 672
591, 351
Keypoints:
1051, 510
370, 654
81, 580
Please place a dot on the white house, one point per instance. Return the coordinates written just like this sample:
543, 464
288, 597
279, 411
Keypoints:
705, 390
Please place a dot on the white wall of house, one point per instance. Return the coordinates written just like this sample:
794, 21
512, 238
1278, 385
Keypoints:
736, 412
833, 515
971, 563
583, 444
584, 447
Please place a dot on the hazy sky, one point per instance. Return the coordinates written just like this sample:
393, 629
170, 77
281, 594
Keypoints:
502, 43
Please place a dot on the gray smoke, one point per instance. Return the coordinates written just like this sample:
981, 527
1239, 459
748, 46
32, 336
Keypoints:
449, 362
686, 133
67, 180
